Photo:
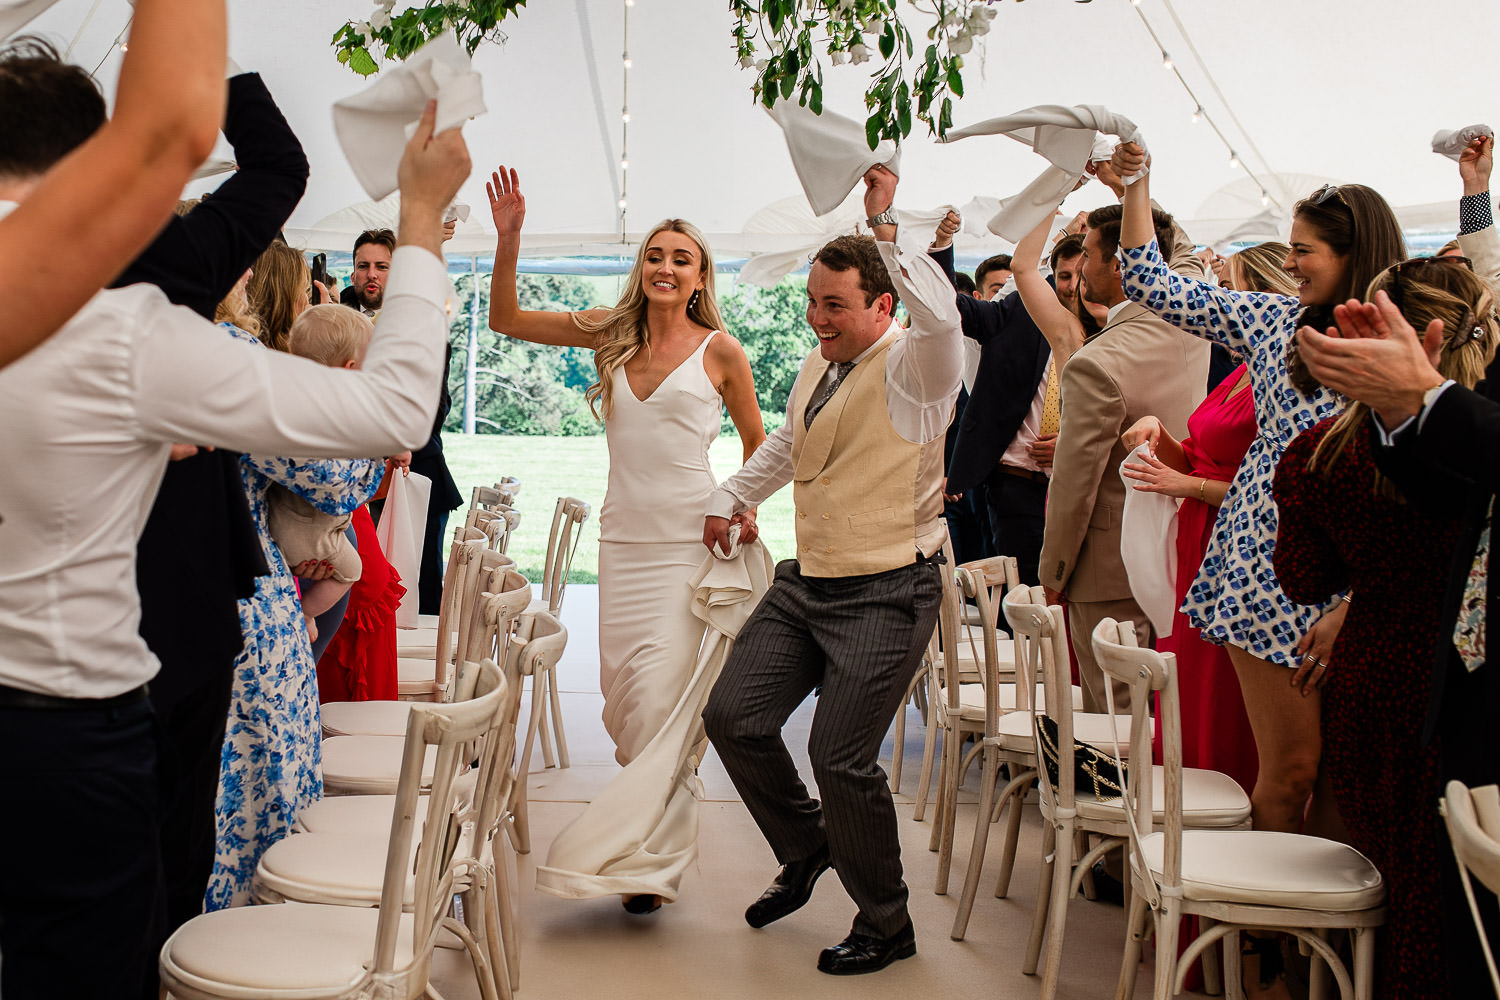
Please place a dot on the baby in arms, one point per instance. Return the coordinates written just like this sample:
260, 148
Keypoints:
336, 336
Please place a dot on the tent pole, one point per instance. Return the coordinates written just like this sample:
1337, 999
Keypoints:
470, 362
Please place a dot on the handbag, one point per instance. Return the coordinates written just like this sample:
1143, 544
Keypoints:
1092, 767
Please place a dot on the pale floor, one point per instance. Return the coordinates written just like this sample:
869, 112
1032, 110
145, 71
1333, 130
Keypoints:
700, 947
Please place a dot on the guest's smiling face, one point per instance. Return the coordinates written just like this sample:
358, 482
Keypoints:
845, 323
1319, 272
672, 269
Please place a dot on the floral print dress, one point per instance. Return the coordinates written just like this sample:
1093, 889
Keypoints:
1236, 598
271, 764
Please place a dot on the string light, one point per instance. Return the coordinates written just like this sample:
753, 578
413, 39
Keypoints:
622, 204
1234, 160
628, 63
624, 164
124, 46
625, 117
625, 65
1265, 199
1197, 114
1166, 61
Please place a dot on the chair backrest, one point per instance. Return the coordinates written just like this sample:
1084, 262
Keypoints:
1473, 819
457, 615
536, 644
1146, 671
451, 728
494, 524
971, 583
567, 518
1043, 659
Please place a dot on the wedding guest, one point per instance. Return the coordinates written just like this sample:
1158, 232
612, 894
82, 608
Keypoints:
1346, 528
372, 265
200, 526
98, 208
1216, 732
92, 415
1435, 432
666, 370
1136, 366
1342, 236
991, 275
854, 611
278, 292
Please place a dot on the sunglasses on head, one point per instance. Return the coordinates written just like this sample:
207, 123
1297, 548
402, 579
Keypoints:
1325, 192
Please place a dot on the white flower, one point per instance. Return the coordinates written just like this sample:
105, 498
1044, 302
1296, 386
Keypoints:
872, 24
951, 18
363, 27
760, 65
746, 62
845, 6
859, 53
961, 43
380, 18
387, 4
839, 57
979, 20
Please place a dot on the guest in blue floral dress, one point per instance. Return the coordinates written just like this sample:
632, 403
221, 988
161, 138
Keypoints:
1342, 238
271, 766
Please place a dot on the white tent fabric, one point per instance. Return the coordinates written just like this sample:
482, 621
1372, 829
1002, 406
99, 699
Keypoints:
701, 149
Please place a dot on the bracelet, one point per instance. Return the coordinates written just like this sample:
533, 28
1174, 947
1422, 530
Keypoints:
1201, 497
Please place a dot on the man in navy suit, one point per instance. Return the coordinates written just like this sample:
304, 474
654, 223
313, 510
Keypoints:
1000, 445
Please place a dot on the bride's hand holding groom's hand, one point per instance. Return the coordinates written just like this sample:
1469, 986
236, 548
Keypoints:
716, 531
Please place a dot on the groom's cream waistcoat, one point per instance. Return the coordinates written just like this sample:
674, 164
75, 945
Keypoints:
867, 499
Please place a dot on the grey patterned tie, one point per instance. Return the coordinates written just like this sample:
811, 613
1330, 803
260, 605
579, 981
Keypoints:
841, 369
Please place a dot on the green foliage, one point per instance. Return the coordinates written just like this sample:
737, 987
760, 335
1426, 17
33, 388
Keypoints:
781, 40
771, 323
399, 35
522, 388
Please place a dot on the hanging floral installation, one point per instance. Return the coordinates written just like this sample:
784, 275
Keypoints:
784, 41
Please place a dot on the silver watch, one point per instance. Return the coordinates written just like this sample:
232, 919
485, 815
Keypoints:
886, 218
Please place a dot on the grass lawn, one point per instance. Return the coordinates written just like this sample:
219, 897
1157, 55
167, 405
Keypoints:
550, 467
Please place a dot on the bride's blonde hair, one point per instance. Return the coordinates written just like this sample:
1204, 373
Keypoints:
619, 336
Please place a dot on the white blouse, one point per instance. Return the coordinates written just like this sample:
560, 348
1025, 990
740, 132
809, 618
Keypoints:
88, 419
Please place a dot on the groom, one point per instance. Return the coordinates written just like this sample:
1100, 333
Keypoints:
863, 442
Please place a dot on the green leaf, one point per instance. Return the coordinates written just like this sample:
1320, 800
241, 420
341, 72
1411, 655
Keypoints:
872, 129
888, 41
774, 15
955, 80
816, 100
788, 84
932, 55
362, 62
945, 119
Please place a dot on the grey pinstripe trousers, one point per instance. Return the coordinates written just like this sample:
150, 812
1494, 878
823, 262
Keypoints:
861, 639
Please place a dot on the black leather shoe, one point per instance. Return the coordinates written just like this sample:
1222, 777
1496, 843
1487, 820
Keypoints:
1107, 888
859, 953
791, 890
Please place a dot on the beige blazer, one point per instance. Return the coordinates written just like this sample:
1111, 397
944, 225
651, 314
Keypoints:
1136, 366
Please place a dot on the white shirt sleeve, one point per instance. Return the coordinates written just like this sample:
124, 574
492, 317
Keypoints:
925, 368
1388, 437
195, 384
766, 471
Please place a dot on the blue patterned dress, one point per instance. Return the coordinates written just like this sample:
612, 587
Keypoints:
271, 765
1236, 598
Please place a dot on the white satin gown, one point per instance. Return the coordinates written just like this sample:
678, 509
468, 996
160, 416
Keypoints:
640, 835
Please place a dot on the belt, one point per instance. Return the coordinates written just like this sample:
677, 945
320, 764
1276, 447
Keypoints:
35, 701
1020, 473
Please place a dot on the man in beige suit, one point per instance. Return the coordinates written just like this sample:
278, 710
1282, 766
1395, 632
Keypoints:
1136, 366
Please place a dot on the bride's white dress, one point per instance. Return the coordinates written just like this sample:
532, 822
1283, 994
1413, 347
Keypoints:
641, 834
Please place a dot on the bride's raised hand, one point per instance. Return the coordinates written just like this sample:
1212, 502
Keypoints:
507, 204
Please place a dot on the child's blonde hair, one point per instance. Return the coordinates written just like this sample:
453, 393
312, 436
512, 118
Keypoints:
331, 335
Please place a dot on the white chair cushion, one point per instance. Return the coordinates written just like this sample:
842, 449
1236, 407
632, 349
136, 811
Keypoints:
365, 718
416, 670
419, 649
368, 765
340, 868
971, 699
370, 815
1014, 732
427, 621
293, 949
1209, 799
1271, 869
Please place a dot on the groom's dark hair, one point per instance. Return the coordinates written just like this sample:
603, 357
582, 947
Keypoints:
860, 253
48, 107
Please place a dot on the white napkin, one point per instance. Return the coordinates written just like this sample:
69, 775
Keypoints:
1148, 548
16, 14
1452, 143
1069, 138
374, 125
457, 212
830, 153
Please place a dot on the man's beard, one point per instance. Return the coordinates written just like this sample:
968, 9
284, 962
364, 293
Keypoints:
367, 302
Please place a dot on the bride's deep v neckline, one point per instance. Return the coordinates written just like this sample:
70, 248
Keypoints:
665, 378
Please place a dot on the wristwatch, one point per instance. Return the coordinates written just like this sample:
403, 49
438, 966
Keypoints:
886, 218
1431, 395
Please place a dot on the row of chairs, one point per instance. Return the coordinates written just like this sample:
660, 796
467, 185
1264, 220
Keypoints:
443, 771
1184, 831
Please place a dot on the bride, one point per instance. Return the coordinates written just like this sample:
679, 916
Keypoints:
665, 367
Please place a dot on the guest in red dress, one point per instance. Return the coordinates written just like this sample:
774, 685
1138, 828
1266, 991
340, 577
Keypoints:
1345, 528
1215, 729
360, 663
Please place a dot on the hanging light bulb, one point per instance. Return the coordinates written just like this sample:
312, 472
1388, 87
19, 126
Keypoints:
124, 46
1234, 160
1166, 60
622, 204
628, 63
1265, 199
624, 164
630, 3
1197, 114
625, 117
